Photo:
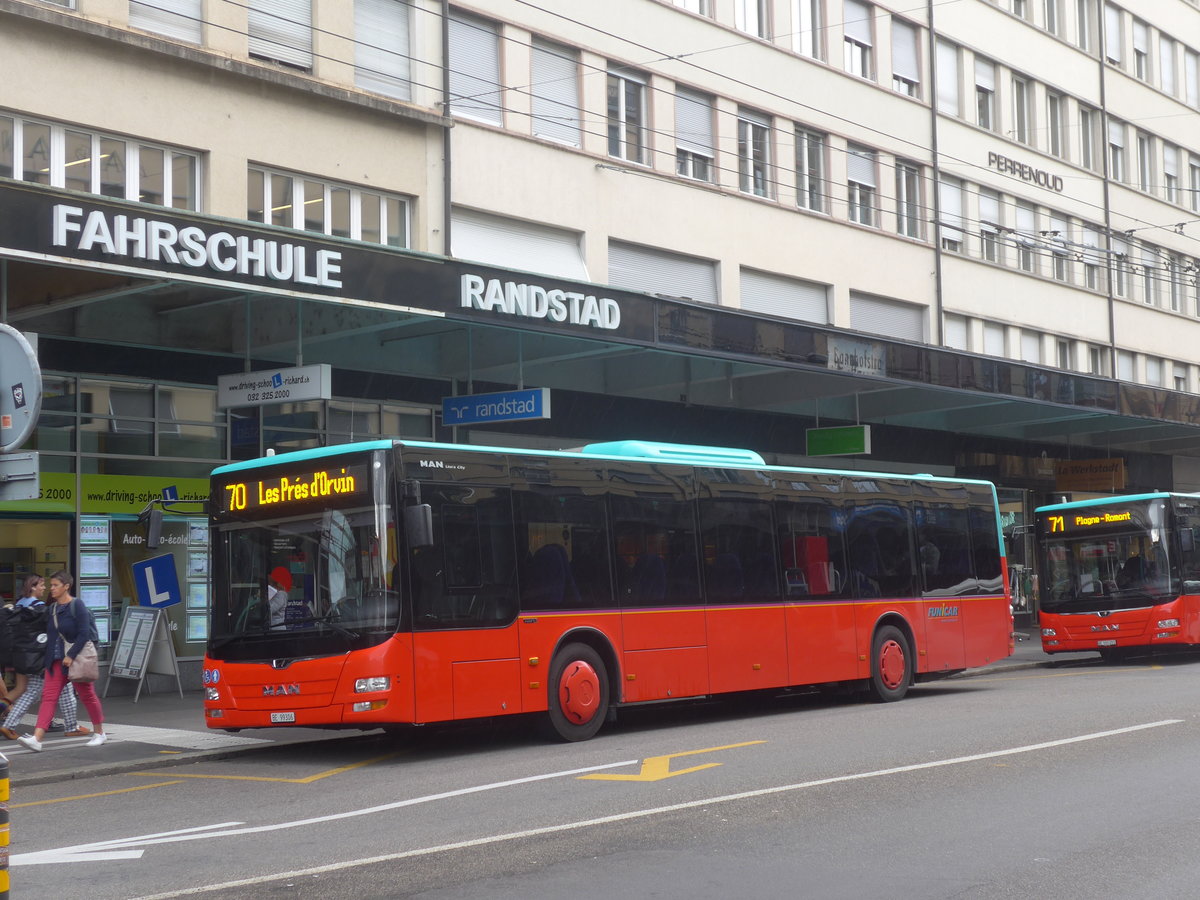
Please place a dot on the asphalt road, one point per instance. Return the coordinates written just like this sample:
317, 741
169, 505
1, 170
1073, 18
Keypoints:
1049, 783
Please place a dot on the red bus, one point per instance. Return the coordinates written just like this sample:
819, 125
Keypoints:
1119, 573
401, 582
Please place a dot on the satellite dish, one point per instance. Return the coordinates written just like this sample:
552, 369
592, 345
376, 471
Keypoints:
20, 389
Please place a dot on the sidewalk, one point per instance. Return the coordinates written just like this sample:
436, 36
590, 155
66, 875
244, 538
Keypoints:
162, 729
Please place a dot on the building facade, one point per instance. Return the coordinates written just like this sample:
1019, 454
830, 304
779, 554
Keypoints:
969, 226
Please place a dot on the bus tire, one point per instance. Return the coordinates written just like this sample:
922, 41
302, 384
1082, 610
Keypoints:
579, 693
891, 665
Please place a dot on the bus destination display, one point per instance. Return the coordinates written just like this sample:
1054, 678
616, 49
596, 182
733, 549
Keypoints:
1086, 520
294, 490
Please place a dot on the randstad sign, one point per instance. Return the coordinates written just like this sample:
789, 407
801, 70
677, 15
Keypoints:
533, 301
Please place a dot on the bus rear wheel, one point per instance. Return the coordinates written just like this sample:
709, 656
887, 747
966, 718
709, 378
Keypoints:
891, 665
578, 693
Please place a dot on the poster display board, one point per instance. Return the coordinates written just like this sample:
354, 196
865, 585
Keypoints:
143, 647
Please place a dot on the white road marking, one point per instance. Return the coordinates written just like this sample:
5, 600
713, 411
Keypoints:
175, 837
101, 849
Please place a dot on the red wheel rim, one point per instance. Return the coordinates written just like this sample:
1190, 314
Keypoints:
891, 664
579, 692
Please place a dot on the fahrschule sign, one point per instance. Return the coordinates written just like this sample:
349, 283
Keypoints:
40, 223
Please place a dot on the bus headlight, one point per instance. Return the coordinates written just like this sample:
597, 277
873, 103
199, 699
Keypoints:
1049, 632
1168, 623
211, 693
369, 705
369, 685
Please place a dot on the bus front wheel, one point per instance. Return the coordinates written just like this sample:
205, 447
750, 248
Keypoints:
578, 693
891, 665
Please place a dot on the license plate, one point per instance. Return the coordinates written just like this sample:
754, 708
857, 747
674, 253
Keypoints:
279, 718
1110, 643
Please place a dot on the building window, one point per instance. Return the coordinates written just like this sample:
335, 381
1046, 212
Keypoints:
1031, 346
1145, 161
1191, 78
1053, 15
908, 199
63, 156
1119, 267
860, 163
1179, 379
1063, 354
276, 197
1175, 283
1166, 64
985, 93
381, 48
281, 31
178, 19
906, 70
1194, 182
989, 225
1126, 368
1089, 131
1085, 24
1097, 360
1025, 237
1056, 109
753, 17
1022, 127
810, 170
1114, 49
700, 7
554, 93
954, 331
994, 335
694, 135
1141, 50
857, 18
1149, 277
1091, 257
474, 76
1154, 371
1116, 150
1171, 173
626, 115
1020, 8
811, 30
754, 153
947, 78
1060, 242
657, 271
950, 205
517, 244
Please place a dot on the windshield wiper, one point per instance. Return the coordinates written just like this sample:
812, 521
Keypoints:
327, 620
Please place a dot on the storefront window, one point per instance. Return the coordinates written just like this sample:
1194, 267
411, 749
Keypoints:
35, 164
78, 161
112, 168
6, 147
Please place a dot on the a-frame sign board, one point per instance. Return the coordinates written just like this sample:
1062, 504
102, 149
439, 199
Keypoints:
143, 647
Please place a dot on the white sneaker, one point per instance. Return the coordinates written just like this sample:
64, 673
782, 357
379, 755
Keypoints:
97, 739
31, 742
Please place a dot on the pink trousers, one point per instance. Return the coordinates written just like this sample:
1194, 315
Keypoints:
56, 680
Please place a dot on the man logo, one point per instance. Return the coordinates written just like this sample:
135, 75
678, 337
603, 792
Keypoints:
280, 690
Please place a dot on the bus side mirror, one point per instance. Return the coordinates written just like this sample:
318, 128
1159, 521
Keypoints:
418, 525
1187, 540
151, 521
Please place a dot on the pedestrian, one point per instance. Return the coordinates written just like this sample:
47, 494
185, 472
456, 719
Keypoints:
69, 627
279, 583
25, 629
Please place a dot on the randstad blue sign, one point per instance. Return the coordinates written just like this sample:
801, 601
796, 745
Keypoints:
504, 406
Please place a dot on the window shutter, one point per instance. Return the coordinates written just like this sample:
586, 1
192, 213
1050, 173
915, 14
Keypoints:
1026, 225
1170, 160
655, 271
555, 93
881, 315
1116, 133
985, 74
1031, 347
1091, 245
514, 244
989, 208
1191, 75
693, 122
904, 51
856, 21
954, 331
860, 166
381, 47
993, 339
475, 69
178, 19
1112, 33
950, 201
281, 30
790, 298
947, 78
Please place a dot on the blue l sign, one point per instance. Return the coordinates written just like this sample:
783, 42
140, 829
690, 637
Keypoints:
505, 406
156, 581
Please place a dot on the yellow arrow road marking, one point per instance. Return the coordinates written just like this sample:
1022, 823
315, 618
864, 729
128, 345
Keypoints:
656, 768
309, 780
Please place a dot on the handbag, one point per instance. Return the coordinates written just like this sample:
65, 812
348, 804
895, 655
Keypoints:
84, 668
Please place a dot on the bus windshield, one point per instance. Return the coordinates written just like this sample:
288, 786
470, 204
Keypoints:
318, 582
1120, 571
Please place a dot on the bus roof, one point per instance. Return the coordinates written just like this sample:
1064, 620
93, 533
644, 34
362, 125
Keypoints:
648, 451
1108, 501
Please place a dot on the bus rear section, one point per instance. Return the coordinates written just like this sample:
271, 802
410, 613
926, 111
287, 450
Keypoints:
1119, 574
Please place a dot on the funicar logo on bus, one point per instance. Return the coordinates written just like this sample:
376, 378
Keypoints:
943, 612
